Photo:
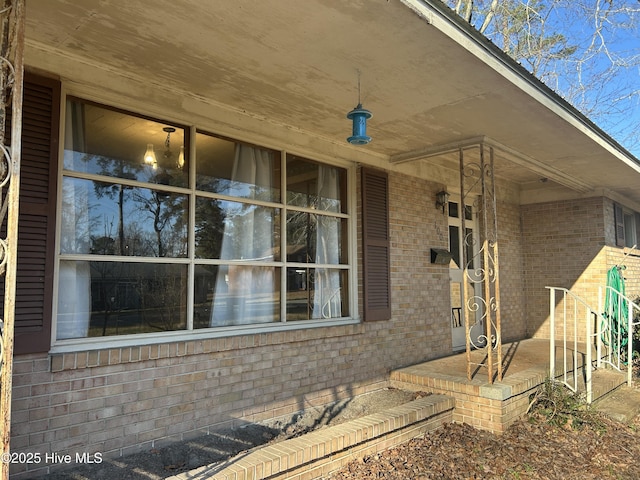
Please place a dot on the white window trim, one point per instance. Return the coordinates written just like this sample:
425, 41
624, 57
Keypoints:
189, 334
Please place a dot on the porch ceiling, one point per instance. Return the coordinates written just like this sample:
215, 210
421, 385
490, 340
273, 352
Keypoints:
429, 84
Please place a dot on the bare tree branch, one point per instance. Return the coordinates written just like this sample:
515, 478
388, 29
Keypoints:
586, 50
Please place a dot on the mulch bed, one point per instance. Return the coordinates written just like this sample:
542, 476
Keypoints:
530, 449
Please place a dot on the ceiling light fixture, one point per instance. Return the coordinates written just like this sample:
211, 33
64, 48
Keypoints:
167, 156
150, 156
167, 147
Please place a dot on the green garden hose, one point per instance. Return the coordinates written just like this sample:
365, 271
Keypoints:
615, 313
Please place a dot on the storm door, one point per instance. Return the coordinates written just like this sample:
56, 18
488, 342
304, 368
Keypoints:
461, 243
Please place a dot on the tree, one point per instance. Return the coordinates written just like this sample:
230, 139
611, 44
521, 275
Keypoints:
585, 50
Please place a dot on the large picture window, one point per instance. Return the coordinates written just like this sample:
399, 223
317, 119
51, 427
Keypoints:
160, 233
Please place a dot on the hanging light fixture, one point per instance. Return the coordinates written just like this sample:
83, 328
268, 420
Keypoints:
181, 157
359, 117
150, 156
167, 147
167, 156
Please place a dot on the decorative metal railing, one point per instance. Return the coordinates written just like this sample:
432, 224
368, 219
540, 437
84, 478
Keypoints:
574, 342
578, 333
481, 292
614, 332
11, 75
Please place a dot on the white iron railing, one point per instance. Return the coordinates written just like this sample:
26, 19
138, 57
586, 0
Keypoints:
574, 310
613, 340
615, 335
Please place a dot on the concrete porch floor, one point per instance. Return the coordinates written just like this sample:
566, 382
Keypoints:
495, 406
524, 355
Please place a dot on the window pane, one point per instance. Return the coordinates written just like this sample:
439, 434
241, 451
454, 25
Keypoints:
209, 228
236, 295
629, 230
313, 185
106, 142
315, 238
236, 231
112, 219
453, 209
468, 212
469, 242
454, 245
316, 293
237, 169
114, 298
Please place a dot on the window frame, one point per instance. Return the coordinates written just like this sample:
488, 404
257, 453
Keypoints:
626, 223
189, 333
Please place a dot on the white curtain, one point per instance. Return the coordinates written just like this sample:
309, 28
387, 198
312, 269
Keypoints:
74, 285
245, 294
327, 302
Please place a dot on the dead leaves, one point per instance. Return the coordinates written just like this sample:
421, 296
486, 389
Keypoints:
526, 451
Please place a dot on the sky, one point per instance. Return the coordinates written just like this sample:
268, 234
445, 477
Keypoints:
612, 70
601, 78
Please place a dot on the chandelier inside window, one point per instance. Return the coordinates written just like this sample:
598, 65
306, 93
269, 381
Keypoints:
167, 156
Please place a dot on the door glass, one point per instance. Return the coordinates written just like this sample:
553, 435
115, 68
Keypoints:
454, 245
456, 305
468, 212
468, 247
453, 209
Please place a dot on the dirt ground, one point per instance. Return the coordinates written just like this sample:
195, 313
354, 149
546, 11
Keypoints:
161, 463
530, 449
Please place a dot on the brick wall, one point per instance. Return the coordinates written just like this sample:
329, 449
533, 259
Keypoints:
626, 257
122, 400
512, 286
570, 244
420, 289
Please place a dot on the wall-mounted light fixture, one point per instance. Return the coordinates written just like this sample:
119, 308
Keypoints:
442, 199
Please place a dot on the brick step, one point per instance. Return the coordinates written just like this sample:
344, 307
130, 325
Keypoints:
318, 453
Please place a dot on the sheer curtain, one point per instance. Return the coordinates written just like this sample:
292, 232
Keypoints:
74, 285
327, 302
245, 294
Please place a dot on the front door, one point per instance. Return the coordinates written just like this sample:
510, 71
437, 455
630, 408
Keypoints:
460, 242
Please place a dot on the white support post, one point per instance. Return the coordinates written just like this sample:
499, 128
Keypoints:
589, 314
599, 328
552, 334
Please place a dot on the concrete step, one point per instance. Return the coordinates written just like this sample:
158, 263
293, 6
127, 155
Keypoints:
603, 381
622, 404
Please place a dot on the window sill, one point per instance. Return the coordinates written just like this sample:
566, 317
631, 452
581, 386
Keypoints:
98, 352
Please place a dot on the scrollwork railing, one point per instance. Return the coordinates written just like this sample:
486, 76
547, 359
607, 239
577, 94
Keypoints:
481, 269
11, 75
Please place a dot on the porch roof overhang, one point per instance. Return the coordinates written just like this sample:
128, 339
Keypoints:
433, 83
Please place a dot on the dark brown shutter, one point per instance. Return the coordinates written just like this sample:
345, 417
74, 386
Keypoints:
618, 215
36, 223
376, 245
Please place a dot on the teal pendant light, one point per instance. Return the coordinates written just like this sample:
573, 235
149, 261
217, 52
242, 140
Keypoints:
359, 117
